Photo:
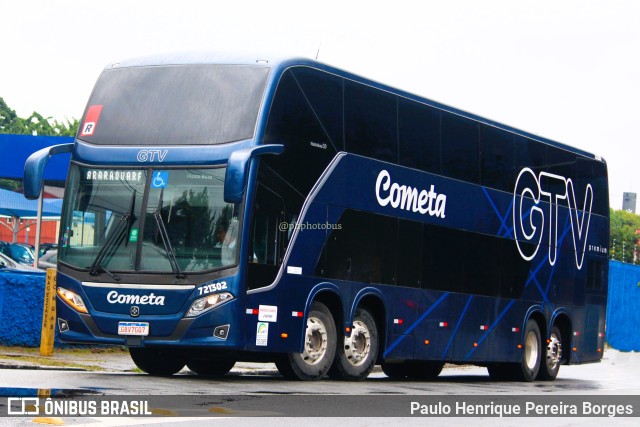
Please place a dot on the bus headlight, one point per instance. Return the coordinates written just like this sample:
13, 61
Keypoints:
205, 304
73, 299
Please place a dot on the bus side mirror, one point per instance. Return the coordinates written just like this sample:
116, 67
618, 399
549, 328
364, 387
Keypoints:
238, 166
34, 168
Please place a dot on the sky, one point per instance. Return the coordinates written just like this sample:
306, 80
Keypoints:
567, 70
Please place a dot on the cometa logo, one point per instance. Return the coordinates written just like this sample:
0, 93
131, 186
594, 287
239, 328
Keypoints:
409, 198
114, 297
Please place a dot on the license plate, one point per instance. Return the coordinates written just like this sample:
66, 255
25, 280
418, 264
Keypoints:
133, 328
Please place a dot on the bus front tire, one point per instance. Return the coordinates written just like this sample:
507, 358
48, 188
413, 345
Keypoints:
318, 351
356, 354
157, 361
211, 368
552, 351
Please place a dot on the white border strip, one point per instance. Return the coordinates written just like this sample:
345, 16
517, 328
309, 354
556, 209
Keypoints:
136, 286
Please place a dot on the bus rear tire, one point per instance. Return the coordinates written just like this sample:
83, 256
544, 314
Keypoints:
319, 348
356, 355
529, 366
550, 365
157, 361
396, 371
211, 368
413, 369
531, 353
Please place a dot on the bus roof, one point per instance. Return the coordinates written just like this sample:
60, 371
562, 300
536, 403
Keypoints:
280, 63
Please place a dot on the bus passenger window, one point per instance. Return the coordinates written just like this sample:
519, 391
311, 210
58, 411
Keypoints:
266, 244
268, 213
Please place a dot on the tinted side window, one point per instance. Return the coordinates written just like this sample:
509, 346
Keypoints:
529, 154
409, 253
595, 173
362, 250
460, 158
324, 94
308, 146
497, 155
371, 125
419, 127
465, 262
594, 275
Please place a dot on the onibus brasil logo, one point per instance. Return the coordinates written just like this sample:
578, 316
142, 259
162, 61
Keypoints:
530, 219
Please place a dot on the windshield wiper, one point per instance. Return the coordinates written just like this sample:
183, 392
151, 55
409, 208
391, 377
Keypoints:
168, 248
113, 241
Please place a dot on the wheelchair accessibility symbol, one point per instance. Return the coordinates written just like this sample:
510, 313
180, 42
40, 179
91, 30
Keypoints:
159, 179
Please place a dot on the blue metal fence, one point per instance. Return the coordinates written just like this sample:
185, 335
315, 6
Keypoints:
623, 307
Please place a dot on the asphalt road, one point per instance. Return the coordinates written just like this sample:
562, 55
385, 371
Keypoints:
259, 391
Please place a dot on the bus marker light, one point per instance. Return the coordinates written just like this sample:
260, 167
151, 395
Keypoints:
426, 342
347, 330
444, 324
484, 327
576, 333
475, 344
297, 314
515, 329
599, 350
284, 335
398, 321
575, 348
519, 346
252, 311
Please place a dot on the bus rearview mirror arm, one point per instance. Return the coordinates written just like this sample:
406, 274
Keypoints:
238, 167
34, 168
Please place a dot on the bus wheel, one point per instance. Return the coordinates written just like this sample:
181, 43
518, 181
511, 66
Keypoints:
396, 371
424, 370
211, 368
356, 356
157, 361
318, 351
501, 371
531, 353
550, 366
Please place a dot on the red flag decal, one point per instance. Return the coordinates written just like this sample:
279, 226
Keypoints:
91, 120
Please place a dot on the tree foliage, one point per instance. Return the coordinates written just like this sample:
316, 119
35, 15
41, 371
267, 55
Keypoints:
35, 124
623, 241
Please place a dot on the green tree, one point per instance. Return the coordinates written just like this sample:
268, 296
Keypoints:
35, 124
623, 240
9, 120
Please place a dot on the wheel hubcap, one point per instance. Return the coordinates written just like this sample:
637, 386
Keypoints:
358, 345
531, 351
315, 345
554, 352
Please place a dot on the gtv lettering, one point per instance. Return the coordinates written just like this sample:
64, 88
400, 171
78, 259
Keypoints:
530, 221
151, 155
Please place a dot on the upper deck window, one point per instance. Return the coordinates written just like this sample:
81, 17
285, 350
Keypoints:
176, 105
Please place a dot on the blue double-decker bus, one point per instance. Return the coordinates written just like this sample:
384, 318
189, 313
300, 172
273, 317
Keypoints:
281, 210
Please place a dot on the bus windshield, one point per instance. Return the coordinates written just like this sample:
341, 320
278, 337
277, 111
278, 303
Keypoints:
169, 221
175, 105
